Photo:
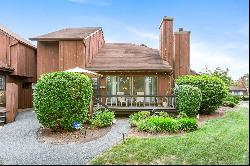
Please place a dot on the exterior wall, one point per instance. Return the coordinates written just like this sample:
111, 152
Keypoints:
6, 42
22, 58
92, 44
47, 57
163, 81
62, 55
182, 54
71, 54
18, 56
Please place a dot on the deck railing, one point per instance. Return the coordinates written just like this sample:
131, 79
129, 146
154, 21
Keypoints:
167, 101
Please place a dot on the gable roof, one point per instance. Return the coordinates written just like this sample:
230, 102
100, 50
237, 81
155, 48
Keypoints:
68, 34
237, 88
16, 36
128, 57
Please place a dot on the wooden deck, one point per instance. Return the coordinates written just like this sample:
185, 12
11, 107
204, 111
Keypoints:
130, 107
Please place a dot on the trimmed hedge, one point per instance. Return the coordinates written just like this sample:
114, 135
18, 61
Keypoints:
62, 98
213, 90
188, 100
102, 118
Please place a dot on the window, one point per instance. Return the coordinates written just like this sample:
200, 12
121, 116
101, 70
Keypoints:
2, 82
130, 85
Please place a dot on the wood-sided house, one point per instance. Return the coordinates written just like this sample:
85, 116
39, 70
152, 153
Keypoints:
17, 72
133, 74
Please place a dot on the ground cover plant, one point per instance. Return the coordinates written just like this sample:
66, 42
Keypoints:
162, 122
102, 118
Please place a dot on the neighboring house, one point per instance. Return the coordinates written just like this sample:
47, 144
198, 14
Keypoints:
128, 70
236, 90
17, 72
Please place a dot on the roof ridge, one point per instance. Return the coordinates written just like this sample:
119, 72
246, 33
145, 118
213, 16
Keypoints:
68, 33
16, 36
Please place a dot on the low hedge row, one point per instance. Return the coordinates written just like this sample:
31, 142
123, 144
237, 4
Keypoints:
157, 123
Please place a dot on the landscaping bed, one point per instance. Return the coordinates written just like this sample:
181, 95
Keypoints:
220, 141
133, 132
45, 135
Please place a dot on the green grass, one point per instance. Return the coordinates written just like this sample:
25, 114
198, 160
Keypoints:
220, 141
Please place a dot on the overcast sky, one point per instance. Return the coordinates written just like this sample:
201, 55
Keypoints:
219, 28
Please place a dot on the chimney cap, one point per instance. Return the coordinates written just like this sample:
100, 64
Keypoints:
166, 18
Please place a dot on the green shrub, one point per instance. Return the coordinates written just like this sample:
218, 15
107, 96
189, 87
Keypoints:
188, 124
167, 124
229, 104
102, 118
137, 116
213, 90
62, 98
159, 124
188, 100
232, 98
164, 114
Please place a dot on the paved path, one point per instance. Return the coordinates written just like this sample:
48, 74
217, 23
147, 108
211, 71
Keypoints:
18, 144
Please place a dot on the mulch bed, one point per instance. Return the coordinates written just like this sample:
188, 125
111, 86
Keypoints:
86, 134
201, 121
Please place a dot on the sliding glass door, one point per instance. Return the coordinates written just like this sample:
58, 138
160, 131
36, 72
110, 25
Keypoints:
132, 85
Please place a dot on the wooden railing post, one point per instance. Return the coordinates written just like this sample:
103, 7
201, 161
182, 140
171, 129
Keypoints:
91, 108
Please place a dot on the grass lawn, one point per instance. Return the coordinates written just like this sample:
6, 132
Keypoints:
220, 141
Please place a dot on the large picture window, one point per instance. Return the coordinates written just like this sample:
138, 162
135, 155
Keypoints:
132, 85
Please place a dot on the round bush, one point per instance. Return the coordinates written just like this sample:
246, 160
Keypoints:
188, 100
213, 90
62, 98
103, 118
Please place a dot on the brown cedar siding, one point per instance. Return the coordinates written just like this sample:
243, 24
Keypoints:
65, 54
182, 53
20, 56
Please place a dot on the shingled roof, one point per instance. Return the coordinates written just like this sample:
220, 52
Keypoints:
128, 57
16, 36
68, 34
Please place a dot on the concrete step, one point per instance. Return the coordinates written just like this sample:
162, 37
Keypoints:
1, 123
3, 118
2, 113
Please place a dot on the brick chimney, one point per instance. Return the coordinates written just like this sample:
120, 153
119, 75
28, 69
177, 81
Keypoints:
182, 53
167, 40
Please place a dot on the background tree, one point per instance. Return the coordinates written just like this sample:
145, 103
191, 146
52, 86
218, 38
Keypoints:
222, 74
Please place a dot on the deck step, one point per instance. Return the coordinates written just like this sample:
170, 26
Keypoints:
2, 117
2, 123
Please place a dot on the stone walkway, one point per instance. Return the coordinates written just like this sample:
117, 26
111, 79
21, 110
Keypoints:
18, 144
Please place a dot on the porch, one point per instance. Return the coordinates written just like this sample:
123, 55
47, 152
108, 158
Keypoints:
127, 104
